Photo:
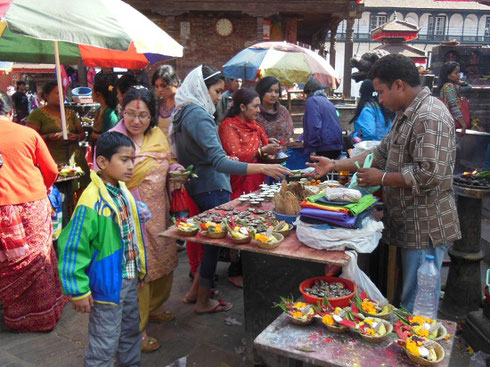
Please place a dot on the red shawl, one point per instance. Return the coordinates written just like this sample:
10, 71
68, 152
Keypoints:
242, 139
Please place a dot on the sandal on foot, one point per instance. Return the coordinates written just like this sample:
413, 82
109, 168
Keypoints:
212, 293
149, 344
163, 317
222, 306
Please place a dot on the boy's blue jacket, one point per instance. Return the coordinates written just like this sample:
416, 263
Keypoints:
91, 248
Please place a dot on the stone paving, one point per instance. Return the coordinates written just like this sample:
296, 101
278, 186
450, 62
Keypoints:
190, 340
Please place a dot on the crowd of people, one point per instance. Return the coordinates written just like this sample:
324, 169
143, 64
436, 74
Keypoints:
140, 135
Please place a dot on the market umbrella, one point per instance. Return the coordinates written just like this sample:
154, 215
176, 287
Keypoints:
101, 32
287, 62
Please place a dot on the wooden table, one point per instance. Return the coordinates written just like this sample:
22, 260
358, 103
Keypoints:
289, 248
268, 274
294, 345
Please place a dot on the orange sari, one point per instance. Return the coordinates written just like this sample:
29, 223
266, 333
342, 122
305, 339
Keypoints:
242, 139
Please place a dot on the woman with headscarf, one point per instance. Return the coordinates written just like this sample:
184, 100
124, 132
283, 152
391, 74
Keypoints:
371, 120
450, 87
273, 116
322, 133
30, 287
197, 142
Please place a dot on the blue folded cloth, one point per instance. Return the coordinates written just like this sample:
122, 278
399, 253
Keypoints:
336, 219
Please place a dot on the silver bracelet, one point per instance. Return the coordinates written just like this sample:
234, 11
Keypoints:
383, 178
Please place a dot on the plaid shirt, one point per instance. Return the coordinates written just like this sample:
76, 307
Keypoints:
422, 146
131, 264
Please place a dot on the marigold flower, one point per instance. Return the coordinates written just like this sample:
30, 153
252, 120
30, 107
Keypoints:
328, 320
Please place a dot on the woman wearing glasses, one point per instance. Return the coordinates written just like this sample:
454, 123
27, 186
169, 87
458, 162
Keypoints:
149, 185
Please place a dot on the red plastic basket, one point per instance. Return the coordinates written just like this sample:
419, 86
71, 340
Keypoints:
335, 302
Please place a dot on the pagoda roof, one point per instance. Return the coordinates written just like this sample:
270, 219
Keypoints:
403, 49
395, 29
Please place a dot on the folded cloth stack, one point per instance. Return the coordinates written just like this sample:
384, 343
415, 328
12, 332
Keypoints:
345, 213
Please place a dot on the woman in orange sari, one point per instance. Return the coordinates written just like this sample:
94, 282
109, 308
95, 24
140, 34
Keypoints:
244, 138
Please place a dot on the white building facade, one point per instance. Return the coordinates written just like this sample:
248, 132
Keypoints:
465, 21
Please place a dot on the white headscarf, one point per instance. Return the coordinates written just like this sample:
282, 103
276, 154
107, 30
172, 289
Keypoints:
194, 90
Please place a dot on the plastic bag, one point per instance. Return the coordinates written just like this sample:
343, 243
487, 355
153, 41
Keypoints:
479, 359
353, 182
364, 239
342, 194
352, 272
363, 146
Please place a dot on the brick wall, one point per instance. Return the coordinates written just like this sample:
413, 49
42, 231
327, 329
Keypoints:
203, 45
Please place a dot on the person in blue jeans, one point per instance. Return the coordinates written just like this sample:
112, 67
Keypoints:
195, 140
414, 163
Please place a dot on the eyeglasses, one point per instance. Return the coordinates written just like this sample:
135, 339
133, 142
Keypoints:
142, 116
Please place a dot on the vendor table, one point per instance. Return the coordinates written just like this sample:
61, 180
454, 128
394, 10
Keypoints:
268, 274
295, 345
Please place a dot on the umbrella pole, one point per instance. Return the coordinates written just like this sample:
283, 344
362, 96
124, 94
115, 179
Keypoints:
60, 89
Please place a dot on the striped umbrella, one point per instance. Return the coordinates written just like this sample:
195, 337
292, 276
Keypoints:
104, 33
287, 62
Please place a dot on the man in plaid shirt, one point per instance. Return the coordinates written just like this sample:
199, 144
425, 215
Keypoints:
414, 163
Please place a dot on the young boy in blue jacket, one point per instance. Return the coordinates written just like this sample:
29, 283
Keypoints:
102, 256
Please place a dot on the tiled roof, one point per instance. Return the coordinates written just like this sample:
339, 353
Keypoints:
403, 49
397, 25
425, 4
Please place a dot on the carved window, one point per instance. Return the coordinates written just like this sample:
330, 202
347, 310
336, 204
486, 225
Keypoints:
377, 20
487, 26
437, 25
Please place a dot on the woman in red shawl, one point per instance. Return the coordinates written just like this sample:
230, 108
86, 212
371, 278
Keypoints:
244, 138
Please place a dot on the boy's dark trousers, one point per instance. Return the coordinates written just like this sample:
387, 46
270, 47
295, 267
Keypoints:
114, 331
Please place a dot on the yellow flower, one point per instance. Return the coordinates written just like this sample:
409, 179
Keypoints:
412, 347
208, 224
262, 238
328, 320
447, 336
297, 314
368, 307
300, 305
420, 320
421, 331
218, 228
337, 310
368, 321
371, 332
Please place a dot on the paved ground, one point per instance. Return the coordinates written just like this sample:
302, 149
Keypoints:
190, 340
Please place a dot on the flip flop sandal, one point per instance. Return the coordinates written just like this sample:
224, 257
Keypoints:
149, 344
212, 293
222, 306
162, 317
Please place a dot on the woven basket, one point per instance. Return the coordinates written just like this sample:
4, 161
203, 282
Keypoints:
424, 362
299, 322
188, 233
241, 241
279, 237
216, 234
336, 329
378, 339
384, 316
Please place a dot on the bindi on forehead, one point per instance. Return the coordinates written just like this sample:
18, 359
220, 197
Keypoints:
138, 101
